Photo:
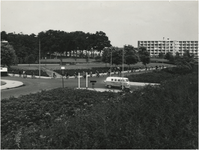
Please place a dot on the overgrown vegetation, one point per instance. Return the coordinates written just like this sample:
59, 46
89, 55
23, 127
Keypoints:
164, 116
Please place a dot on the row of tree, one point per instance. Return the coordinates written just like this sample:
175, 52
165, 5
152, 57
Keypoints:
186, 61
54, 41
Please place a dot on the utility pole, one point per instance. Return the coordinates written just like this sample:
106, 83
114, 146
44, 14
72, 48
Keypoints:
122, 67
123, 62
111, 62
39, 59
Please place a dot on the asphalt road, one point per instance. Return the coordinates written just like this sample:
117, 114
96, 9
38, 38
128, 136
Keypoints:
36, 85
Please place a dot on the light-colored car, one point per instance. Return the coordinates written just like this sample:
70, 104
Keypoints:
120, 82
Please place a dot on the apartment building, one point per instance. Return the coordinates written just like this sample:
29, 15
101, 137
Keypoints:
165, 46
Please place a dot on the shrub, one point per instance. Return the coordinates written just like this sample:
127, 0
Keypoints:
163, 117
28, 72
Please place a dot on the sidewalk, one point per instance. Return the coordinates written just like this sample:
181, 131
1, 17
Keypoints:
142, 84
101, 89
11, 84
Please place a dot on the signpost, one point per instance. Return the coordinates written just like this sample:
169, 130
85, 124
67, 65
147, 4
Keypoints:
78, 80
93, 83
86, 80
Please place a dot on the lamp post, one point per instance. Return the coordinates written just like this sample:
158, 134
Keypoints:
122, 67
45, 61
111, 61
62, 69
123, 62
39, 59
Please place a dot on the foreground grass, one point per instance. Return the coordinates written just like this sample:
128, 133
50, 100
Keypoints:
153, 117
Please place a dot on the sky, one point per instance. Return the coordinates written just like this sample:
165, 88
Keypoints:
124, 22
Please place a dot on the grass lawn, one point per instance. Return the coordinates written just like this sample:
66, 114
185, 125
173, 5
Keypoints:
78, 66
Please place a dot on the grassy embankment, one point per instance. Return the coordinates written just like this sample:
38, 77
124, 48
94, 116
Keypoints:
81, 66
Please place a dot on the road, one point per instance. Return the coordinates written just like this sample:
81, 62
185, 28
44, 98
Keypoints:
36, 85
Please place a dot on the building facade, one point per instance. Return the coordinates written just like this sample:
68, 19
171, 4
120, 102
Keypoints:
165, 46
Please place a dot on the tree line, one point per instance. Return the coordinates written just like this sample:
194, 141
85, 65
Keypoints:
69, 44
54, 41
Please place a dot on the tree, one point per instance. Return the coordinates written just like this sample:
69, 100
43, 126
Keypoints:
30, 59
23, 44
117, 56
144, 55
186, 61
130, 55
177, 55
112, 53
161, 55
4, 36
106, 55
169, 56
8, 56
101, 41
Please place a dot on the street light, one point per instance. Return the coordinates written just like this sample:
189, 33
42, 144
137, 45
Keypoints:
39, 59
62, 69
111, 61
122, 67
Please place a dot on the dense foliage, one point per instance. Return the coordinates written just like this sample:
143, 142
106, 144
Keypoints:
8, 56
163, 117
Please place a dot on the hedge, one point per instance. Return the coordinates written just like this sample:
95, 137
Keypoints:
28, 72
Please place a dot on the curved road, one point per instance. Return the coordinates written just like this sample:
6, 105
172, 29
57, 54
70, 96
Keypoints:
36, 85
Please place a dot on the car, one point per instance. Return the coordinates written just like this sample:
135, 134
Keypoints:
121, 82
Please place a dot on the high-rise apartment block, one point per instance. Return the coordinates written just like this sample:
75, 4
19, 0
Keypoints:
165, 46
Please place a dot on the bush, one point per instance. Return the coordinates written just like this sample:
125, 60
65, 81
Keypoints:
163, 117
28, 72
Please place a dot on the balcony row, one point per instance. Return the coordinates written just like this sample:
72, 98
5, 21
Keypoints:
190, 42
